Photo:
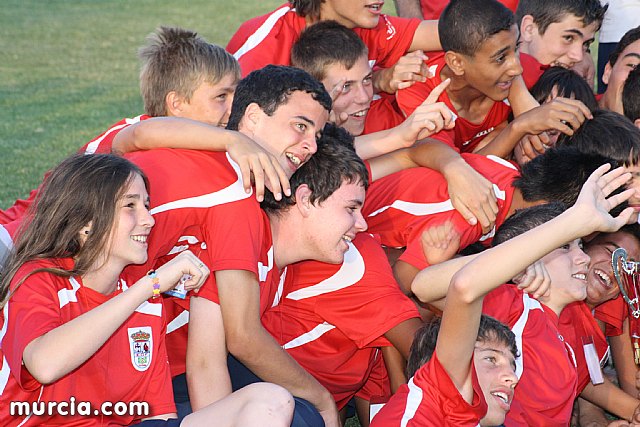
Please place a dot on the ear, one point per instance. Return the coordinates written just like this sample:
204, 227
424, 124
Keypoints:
252, 116
456, 62
85, 232
528, 29
606, 74
174, 103
303, 200
637, 123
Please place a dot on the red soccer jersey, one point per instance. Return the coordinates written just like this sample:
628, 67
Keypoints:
544, 396
401, 206
430, 399
382, 115
612, 313
268, 39
131, 366
432, 9
199, 203
578, 326
531, 69
338, 314
465, 136
100, 144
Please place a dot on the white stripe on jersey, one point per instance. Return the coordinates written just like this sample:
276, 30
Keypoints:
232, 193
154, 309
518, 328
350, 273
65, 296
191, 240
93, 146
414, 398
5, 237
278, 296
4, 373
177, 323
262, 32
310, 336
263, 270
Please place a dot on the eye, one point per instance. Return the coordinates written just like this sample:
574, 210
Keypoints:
346, 87
565, 247
500, 59
302, 127
491, 359
569, 38
367, 80
222, 97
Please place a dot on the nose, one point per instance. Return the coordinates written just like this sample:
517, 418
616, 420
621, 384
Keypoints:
361, 223
576, 53
228, 105
580, 257
309, 142
509, 377
362, 95
515, 68
147, 219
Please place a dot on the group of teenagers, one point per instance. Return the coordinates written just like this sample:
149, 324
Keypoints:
343, 211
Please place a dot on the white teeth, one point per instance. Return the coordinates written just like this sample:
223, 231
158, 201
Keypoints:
346, 238
139, 238
605, 278
580, 276
361, 113
294, 159
501, 396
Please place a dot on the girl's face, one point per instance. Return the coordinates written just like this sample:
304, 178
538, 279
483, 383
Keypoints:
133, 222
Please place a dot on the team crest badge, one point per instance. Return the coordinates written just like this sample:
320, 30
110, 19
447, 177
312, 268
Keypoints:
141, 347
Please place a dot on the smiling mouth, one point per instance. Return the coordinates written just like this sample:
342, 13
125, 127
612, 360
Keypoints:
360, 114
376, 8
604, 278
503, 398
294, 159
579, 276
139, 238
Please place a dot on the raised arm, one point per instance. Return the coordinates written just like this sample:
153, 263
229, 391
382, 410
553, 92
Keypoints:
408, 8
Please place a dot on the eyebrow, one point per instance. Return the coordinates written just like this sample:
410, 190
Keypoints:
357, 202
306, 119
632, 55
575, 31
501, 51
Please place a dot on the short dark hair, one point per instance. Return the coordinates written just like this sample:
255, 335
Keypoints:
465, 24
424, 342
327, 43
558, 174
568, 85
608, 134
631, 95
547, 12
309, 8
629, 37
270, 87
527, 219
335, 163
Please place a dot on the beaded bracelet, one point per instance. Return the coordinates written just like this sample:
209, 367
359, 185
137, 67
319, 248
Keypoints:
156, 283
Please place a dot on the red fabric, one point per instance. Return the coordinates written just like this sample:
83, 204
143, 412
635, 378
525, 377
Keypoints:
401, 206
382, 115
544, 396
465, 136
339, 314
577, 323
45, 301
432, 9
432, 400
198, 203
531, 69
268, 39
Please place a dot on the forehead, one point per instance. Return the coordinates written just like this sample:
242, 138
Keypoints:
495, 346
570, 22
336, 71
300, 103
619, 239
498, 41
633, 51
348, 192
228, 82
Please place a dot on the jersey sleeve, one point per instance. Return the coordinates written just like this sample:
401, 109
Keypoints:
368, 309
612, 313
32, 311
390, 39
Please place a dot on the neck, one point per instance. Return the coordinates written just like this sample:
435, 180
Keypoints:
286, 241
460, 93
555, 306
103, 279
518, 202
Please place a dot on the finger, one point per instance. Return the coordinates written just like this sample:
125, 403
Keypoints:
536, 143
586, 112
336, 90
466, 213
436, 92
405, 84
616, 199
528, 149
611, 185
274, 180
258, 179
245, 172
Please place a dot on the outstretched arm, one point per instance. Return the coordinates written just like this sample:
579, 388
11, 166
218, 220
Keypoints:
178, 132
461, 317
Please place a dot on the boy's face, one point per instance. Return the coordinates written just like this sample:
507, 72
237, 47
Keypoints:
601, 283
290, 132
211, 103
634, 170
494, 66
335, 222
352, 13
495, 368
568, 267
564, 43
615, 76
354, 98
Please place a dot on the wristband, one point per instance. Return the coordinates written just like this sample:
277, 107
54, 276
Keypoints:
156, 283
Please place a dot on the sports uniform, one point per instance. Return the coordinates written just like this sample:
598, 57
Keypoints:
531, 69
268, 39
131, 366
401, 206
546, 367
382, 115
430, 399
432, 9
465, 136
578, 326
338, 314
198, 203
